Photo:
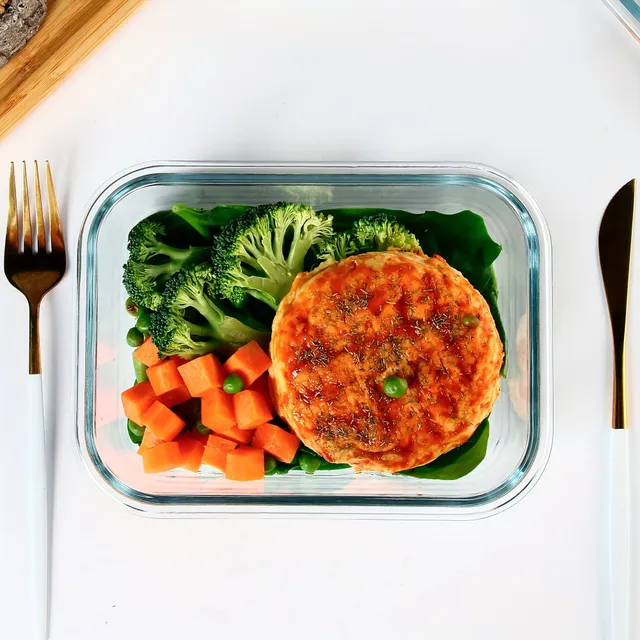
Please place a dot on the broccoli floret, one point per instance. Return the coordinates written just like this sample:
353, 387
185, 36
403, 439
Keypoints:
189, 322
152, 262
260, 253
337, 248
381, 232
371, 233
208, 221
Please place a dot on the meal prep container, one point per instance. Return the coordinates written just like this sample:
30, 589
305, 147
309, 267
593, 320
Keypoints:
628, 11
522, 419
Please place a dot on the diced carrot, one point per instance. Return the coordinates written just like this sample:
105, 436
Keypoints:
262, 385
241, 436
162, 457
162, 422
148, 441
249, 362
179, 360
202, 375
175, 397
191, 449
245, 464
147, 353
215, 453
217, 411
215, 458
281, 444
251, 409
221, 443
137, 400
165, 377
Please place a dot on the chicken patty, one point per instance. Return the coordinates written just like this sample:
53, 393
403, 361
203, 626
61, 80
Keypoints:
347, 326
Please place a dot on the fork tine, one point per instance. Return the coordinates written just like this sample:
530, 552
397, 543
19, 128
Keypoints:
26, 209
57, 240
42, 242
11, 244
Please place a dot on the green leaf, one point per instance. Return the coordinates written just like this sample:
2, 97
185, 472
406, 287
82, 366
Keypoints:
208, 221
458, 462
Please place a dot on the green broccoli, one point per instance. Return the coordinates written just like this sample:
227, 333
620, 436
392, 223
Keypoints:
260, 253
339, 247
207, 222
190, 323
152, 262
378, 232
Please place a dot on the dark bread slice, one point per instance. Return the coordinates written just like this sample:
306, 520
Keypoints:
19, 21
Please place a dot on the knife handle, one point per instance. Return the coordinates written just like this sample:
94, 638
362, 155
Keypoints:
619, 535
619, 385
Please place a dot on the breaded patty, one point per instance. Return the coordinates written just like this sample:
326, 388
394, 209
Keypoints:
347, 326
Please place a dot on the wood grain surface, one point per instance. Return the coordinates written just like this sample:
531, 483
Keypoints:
69, 33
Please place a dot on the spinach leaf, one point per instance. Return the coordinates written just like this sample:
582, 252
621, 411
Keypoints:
459, 461
209, 221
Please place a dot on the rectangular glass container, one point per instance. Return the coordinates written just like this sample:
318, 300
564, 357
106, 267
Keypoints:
522, 419
628, 12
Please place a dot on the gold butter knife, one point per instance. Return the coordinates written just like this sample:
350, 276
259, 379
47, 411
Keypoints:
614, 245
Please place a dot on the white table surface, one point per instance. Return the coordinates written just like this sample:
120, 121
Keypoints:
546, 90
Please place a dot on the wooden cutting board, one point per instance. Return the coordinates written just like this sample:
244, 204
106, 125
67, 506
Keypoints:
69, 33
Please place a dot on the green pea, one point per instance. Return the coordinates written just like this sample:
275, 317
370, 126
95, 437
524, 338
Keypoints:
134, 337
140, 369
310, 463
395, 387
282, 469
270, 465
471, 321
142, 324
201, 429
132, 308
135, 432
233, 383
135, 428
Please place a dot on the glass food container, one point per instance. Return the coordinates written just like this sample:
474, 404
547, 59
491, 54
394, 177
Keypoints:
522, 420
628, 12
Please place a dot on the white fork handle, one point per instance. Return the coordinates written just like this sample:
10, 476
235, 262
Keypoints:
619, 534
38, 511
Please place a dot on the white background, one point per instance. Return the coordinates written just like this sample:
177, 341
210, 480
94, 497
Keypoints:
546, 90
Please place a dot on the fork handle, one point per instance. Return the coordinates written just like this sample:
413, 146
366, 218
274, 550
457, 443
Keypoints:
619, 534
38, 511
34, 339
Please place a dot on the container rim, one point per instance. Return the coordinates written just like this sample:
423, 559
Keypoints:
511, 491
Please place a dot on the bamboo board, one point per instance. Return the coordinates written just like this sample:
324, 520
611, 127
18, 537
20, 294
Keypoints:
71, 30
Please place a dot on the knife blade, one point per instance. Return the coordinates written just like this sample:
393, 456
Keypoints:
614, 247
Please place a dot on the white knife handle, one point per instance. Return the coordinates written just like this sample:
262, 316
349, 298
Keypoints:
619, 534
38, 510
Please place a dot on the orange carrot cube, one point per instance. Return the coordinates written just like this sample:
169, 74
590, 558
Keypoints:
249, 362
251, 409
217, 411
147, 353
165, 377
162, 422
137, 400
202, 375
162, 457
281, 444
245, 464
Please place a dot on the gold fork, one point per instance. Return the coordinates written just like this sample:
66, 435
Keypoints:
34, 268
